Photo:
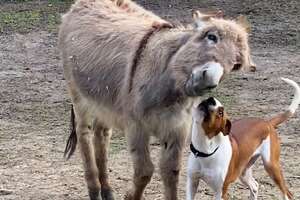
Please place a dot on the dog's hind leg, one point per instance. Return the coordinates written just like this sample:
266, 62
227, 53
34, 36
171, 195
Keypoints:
101, 142
272, 165
248, 180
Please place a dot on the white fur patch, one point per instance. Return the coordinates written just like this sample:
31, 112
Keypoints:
295, 103
200, 24
264, 150
218, 104
214, 72
213, 169
285, 198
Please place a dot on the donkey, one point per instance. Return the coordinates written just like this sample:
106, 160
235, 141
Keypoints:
127, 68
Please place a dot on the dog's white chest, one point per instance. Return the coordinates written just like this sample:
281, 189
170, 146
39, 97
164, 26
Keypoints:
213, 169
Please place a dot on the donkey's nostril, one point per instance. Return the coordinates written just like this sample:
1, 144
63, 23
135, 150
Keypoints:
204, 74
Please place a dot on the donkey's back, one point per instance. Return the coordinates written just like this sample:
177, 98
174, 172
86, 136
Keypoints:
98, 39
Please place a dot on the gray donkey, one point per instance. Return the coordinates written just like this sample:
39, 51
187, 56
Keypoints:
127, 68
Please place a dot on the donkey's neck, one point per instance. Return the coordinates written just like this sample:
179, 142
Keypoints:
202, 143
163, 88
164, 45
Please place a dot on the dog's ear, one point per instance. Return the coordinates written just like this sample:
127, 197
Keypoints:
227, 127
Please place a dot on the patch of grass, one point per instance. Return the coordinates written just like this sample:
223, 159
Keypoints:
24, 16
226, 99
52, 21
117, 144
22, 21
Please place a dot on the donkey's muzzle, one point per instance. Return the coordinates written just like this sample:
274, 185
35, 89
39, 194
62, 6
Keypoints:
204, 78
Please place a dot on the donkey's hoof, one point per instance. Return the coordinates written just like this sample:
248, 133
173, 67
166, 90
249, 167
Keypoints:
129, 196
94, 195
107, 194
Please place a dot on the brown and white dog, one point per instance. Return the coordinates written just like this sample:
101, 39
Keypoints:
223, 152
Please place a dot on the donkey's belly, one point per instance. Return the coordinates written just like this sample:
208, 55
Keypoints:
102, 84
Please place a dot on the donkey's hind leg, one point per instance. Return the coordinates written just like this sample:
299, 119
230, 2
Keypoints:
85, 139
101, 141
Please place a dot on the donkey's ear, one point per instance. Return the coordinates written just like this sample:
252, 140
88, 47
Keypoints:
206, 16
197, 15
199, 19
219, 14
243, 21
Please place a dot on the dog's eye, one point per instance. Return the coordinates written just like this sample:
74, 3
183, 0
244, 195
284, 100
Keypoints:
221, 113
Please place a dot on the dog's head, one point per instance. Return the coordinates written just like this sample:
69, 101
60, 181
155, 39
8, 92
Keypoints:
211, 116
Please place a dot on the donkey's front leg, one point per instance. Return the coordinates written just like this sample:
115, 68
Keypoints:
170, 163
138, 142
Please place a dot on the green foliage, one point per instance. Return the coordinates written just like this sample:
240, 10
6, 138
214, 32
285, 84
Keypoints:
117, 143
226, 99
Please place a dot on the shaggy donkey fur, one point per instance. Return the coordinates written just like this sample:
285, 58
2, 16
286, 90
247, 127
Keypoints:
127, 68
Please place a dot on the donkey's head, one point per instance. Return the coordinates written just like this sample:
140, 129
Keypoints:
215, 47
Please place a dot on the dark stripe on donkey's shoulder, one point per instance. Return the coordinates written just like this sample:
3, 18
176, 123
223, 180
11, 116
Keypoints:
139, 52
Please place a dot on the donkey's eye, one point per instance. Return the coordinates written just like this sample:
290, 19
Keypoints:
212, 37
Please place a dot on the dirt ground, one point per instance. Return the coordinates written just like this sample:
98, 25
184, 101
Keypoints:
35, 107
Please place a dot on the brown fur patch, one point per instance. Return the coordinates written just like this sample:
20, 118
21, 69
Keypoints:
216, 122
246, 136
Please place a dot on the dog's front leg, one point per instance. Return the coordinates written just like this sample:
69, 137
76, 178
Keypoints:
218, 195
191, 186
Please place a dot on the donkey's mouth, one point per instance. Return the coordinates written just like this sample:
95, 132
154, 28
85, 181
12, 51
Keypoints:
204, 78
200, 92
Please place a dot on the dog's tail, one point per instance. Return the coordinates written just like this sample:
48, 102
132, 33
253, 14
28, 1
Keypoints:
278, 119
72, 141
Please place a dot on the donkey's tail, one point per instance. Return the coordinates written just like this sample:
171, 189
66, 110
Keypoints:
278, 119
72, 141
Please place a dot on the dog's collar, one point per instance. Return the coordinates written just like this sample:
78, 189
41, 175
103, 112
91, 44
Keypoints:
201, 154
